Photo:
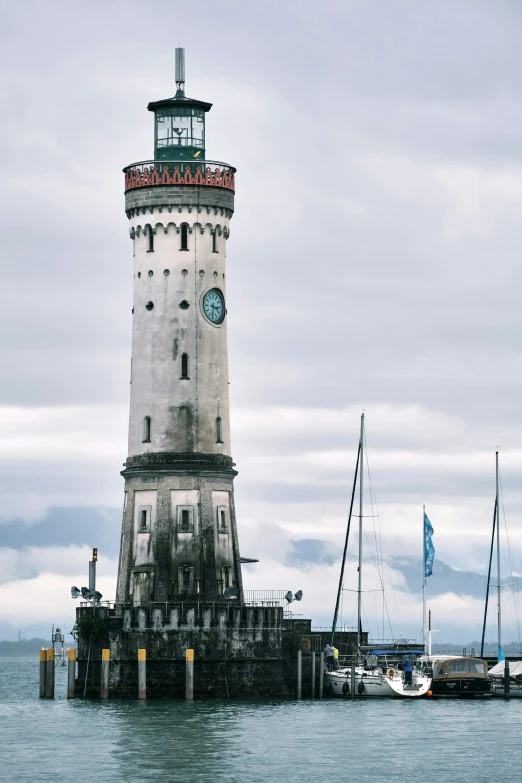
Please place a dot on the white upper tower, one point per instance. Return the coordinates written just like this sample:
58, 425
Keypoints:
179, 533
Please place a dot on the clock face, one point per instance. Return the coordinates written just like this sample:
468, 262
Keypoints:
214, 306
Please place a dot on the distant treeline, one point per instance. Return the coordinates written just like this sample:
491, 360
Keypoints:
25, 647
490, 648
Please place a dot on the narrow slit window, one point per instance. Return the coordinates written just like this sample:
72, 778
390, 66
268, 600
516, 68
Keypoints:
214, 241
219, 430
143, 521
151, 240
146, 429
184, 365
222, 519
185, 519
184, 237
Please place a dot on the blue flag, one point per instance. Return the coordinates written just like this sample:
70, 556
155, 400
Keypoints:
429, 549
501, 656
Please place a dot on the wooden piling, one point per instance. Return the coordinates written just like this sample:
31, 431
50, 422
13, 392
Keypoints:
299, 674
43, 672
71, 674
506, 680
313, 675
321, 675
106, 662
189, 674
352, 680
49, 679
142, 673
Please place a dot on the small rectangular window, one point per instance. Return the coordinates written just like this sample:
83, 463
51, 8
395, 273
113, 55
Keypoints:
219, 430
222, 518
214, 241
184, 366
144, 513
184, 237
185, 519
146, 429
186, 579
151, 240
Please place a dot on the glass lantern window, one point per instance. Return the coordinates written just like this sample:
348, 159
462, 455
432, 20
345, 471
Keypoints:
180, 127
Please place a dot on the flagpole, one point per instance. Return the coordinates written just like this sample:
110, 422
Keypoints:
498, 560
424, 576
359, 580
429, 633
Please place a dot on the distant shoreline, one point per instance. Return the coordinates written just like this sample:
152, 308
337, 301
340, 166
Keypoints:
26, 647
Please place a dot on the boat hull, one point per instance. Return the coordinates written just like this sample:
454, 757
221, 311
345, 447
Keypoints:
375, 685
462, 688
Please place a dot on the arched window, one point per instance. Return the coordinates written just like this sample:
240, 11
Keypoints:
151, 241
146, 429
184, 365
184, 236
219, 432
214, 241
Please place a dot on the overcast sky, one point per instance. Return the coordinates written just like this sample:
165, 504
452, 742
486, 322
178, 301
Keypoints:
373, 264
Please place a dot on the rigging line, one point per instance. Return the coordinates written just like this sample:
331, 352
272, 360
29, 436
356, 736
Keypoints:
378, 539
373, 504
489, 580
347, 590
373, 496
512, 563
382, 586
341, 576
367, 621
380, 570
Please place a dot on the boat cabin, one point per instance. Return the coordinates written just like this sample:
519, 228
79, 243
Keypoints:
460, 676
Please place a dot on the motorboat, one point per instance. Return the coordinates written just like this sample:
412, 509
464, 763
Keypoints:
458, 676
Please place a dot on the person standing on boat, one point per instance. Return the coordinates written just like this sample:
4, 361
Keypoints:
329, 656
336, 656
407, 669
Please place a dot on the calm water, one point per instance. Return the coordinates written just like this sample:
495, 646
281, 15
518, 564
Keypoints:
331, 741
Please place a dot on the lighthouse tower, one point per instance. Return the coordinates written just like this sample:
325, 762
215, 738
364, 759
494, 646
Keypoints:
179, 537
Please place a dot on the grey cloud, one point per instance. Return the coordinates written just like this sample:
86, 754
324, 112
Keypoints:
307, 552
64, 527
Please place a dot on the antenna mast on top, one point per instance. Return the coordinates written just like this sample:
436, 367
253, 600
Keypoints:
180, 72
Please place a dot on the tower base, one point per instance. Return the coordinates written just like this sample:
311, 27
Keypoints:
237, 650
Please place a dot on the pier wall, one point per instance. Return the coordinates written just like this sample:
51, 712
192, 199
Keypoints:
237, 649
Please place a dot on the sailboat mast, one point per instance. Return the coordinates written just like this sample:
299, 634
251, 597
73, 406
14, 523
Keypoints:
359, 583
341, 576
498, 556
424, 576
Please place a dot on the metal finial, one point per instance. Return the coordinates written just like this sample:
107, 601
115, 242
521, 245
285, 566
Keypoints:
180, 71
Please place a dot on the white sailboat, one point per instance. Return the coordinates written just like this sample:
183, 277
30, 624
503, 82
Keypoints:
371, 677
504, 673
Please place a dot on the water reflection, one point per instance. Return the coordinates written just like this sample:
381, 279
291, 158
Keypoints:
461, 742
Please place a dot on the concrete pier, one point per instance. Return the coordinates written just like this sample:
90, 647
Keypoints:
299, 674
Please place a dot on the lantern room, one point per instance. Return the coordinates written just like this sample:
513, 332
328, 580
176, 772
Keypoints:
179, 122
179, 128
